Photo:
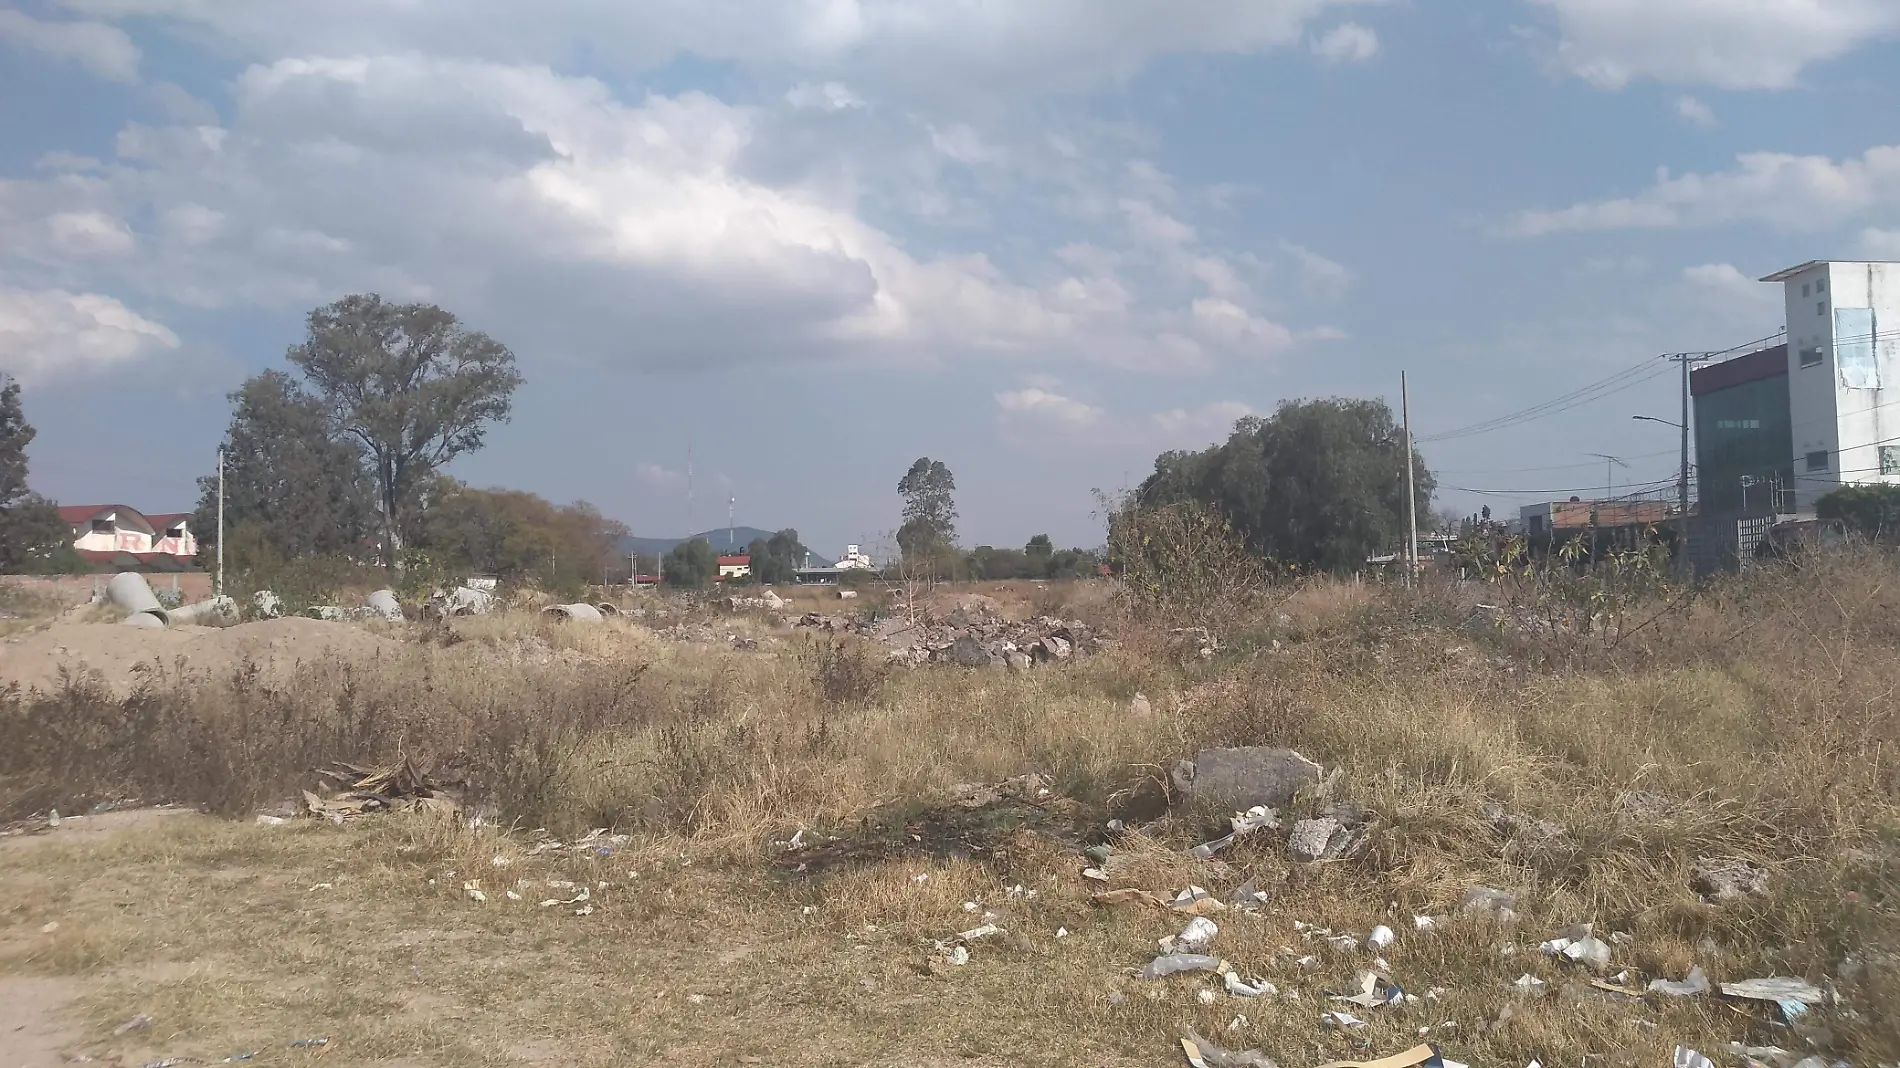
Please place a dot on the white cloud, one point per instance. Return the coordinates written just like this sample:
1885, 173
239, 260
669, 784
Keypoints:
1207, 423
51, 333
828, 96
1042, 404
1695, 111
1880, 244
950, 49
1319, 276
100, 48
1724, 285
1229, 323
1798, 193
1348, 42
1734, 44
655, 475
86, 234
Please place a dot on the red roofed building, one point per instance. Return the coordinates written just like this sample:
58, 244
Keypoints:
734, 567
124, 538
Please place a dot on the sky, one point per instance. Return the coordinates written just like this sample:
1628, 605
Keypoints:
808, 241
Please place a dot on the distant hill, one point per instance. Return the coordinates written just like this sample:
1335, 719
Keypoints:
719, 539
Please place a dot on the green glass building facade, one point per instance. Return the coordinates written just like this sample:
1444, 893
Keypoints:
1744, 434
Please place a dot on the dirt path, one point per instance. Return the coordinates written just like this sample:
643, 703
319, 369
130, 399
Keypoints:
34, 1029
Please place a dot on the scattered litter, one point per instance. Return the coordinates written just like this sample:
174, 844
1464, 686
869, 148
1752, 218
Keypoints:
1426, 923
1195, 901
1617, 987
1238, 1023
977, 933
1248, 898
1240, 988
1579, 945
1688, 1058
1021, 893
309, 1043
1696, 982
1417, 1055
50, 927
169, 1062
1374, 991
1205, 997
1204, 1054
958, 956
1779, 988
265, 819
367, 790
971, 906
1381, 937
1528, 983
1062, 932
512, 895
1483, 900
920, 879
473, 888
1197, 934
237, 1058
320, 886
136, 1023
1179, 964
1341, 1021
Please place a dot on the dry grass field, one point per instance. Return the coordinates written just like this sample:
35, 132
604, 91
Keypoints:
1583, 755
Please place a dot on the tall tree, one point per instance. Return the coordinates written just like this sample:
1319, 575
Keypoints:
1319, 484
288, 475
411, 385
930, 512
776, 560
691, 564
32, 538
519, 536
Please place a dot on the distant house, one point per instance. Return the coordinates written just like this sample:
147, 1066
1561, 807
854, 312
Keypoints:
122, 538
734, 567
854, 560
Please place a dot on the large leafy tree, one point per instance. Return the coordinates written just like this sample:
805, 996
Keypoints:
293, 485
775, 560
411, 386
691, 564
32, 538
930, 512
1872, 511
1319, 484
519, 536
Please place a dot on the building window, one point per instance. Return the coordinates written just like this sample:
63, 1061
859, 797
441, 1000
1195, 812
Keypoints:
1820, 307
102, 526
1890, 459
1820, 285
1811, 356
1817, 461
1807, 290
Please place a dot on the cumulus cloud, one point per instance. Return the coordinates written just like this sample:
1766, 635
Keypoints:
1183, 427
1042, 404
1695, 111
1798, 193
50, 334
658, 476
103, 49
1733, 44
925, 45
827, 96
1319, 276
1348, 42
1725, 284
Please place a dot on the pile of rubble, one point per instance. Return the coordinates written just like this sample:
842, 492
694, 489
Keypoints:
396, 787
971, 636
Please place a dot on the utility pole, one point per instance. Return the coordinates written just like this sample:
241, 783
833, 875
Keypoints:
1411, 497
220, 522
730, 536
1682, 483
689, 487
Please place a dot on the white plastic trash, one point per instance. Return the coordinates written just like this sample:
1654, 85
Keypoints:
1381, 937
383, 603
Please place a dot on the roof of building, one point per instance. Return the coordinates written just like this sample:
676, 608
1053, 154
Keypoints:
73, 515
1784, 275
735, 561
1753, 367
168, 519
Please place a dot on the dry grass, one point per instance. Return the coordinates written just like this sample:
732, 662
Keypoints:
1755, 721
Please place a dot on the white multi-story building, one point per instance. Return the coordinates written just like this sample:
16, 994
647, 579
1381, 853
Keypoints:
1843, 360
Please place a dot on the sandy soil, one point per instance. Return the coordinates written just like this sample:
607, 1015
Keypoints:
120, 655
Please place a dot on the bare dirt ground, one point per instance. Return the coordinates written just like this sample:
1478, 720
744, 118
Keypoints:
122, 656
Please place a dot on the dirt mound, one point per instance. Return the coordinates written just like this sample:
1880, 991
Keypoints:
121, 655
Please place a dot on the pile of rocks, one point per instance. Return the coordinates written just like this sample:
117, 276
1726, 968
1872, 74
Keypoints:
971, 637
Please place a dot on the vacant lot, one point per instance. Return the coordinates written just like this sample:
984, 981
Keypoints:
794, 846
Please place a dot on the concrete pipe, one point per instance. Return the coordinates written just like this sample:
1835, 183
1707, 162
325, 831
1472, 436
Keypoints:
130, 591
146, 620
608, 608
218, 611
383, 603
573, 613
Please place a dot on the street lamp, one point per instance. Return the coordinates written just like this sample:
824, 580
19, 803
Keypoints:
1653, 419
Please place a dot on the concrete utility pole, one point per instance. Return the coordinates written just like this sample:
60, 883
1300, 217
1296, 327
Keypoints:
220, 522
730, 536
1411, 496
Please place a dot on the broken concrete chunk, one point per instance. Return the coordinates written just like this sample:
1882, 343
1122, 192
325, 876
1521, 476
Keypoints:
1310, 839
968, 652
1723, 881
1139, 707
1244, 777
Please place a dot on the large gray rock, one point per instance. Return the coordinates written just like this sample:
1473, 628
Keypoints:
968, 652
1242, 778
1724, 881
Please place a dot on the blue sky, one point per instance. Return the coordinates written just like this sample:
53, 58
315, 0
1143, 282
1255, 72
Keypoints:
815, 239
